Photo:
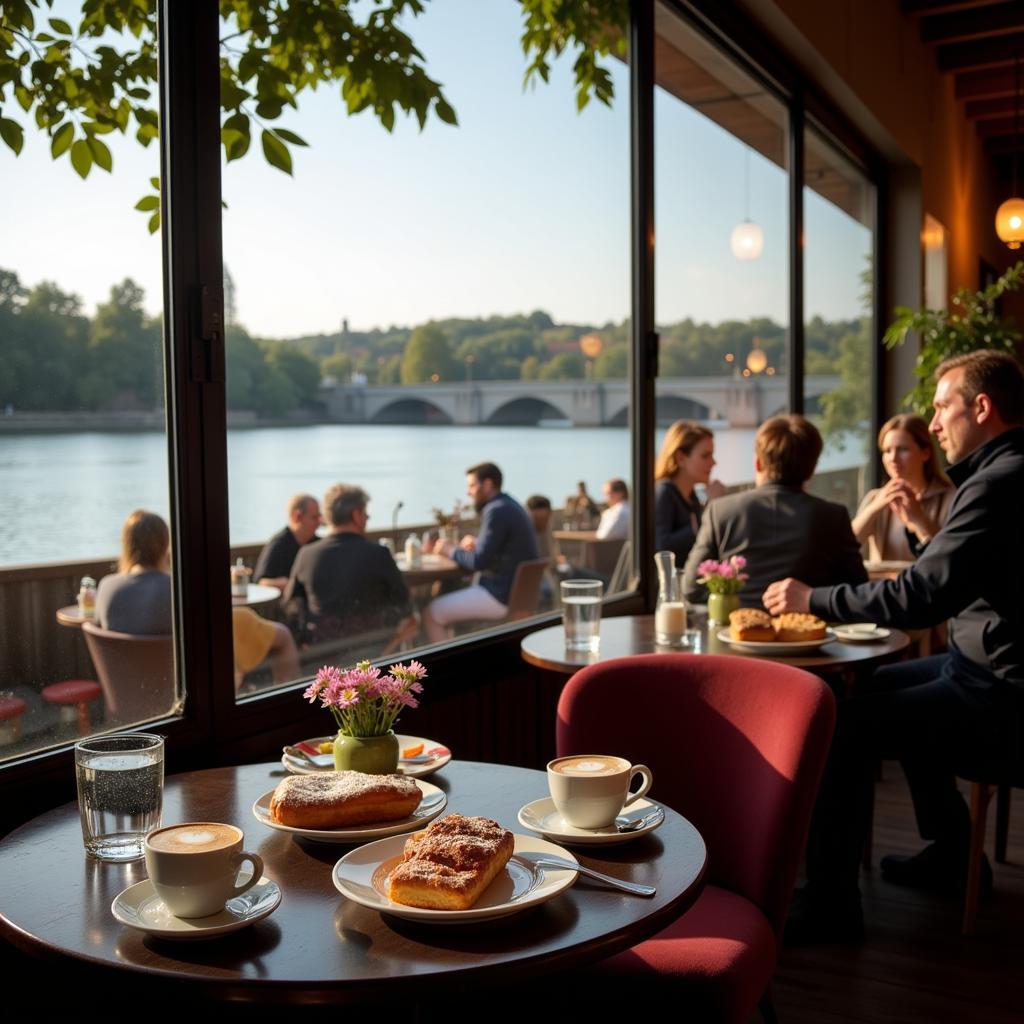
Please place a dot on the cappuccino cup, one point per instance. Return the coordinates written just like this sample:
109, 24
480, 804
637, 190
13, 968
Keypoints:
194, 866
589, 790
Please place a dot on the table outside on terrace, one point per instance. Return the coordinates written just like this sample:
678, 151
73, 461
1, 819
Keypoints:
318, 947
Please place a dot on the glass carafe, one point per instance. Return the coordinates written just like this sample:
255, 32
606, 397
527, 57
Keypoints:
670, 611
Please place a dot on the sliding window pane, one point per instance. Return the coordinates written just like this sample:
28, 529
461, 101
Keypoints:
83, 446
839, 219
418, 303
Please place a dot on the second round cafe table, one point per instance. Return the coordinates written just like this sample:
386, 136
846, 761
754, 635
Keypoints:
318, 947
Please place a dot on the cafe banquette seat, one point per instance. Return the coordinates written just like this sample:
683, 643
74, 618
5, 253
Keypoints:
135, 671
737, 746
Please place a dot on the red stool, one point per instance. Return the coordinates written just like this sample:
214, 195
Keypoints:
11, 710
71, 696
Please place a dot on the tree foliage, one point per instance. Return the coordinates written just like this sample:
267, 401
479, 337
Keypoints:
428, 356
81, 83
972, 322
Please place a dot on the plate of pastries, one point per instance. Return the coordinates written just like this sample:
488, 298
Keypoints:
349, 807
418, 757
753, 629
458, 870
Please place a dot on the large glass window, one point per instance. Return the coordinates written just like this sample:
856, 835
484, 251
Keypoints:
722, 252
83, 445
421, 302
839, 329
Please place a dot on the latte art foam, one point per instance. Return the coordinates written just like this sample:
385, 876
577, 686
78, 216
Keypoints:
196, 838
590, 766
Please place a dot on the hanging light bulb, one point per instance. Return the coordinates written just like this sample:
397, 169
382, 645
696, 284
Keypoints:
1010, 215
757, 358
747, 239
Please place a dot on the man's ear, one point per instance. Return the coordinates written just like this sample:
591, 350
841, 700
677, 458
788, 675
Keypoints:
984, 410
758, 468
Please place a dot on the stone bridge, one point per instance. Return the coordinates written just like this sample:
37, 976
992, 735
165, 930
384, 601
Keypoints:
738, 401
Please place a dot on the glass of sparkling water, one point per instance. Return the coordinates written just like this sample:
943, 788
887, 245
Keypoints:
581, 613
120, 792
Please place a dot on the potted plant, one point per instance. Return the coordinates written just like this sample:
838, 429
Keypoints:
724, 581
365, 705
972, 322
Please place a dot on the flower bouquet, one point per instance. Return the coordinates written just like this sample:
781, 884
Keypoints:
724, 581
365, 705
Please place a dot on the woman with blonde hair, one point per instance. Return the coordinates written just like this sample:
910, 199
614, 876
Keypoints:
896, 521
686, 459
137, 598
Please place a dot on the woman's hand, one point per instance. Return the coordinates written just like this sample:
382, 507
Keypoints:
905, 504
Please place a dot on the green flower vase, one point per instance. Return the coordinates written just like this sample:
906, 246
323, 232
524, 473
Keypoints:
719, 606
372, 755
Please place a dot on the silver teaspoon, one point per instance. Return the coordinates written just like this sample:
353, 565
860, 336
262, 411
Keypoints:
626, 825
634, 888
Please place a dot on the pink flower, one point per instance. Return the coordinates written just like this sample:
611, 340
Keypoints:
738, 562
726, 571
707, 567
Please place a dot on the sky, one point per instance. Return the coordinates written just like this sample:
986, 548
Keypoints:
523, 206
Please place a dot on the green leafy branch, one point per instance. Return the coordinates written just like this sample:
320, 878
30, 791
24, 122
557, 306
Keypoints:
970, 324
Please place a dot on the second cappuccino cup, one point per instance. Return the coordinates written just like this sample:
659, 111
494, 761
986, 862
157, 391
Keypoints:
194, 866
589, 790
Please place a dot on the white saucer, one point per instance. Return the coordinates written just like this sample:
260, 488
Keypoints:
434, 757
542, 816
851, 634
139, 907
362, 876
780, 647
432, 803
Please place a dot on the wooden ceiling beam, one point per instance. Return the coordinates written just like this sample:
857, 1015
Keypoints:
1000, 127
984, 109
974, 85
981, 52
924, 7
973, 24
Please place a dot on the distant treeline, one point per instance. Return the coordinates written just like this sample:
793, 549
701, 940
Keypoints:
53, 357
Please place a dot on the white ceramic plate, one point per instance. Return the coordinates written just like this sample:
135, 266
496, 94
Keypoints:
542, 816
362, 876
771, 647
851, 634
139, 907
434, 757
431, 805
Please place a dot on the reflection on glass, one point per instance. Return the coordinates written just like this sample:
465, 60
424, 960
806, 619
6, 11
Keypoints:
425, 303
839, 325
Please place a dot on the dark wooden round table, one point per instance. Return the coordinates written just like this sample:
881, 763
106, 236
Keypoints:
318, 947
634, 634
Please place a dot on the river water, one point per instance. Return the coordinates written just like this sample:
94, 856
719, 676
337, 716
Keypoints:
64, 496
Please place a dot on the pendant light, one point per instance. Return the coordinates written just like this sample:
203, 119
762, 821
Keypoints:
1010, 215
747, 239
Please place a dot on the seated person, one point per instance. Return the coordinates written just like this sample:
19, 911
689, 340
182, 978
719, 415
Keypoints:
779, 528
344, 584
255, 638
614, 524
507, 537
581, 509
686, 459
137, 598
897, 520
538, 508
274, 565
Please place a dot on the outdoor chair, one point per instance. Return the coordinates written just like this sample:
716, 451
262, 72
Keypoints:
524, 597
737, 746
135, 671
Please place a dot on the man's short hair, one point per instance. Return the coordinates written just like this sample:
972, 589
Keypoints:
788, 448
299, 503
341, 501
486, 471
536, 501
992, 373
617, 486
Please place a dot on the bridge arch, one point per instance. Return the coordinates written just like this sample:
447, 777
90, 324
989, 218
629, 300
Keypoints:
411, 412
669, 408
526, 411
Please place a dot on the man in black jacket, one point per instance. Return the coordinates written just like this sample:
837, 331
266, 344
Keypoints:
960, 708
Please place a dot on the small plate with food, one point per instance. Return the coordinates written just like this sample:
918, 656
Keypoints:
495, 876
754, 630
349, 807
418, 757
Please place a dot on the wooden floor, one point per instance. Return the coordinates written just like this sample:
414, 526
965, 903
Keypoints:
914, 964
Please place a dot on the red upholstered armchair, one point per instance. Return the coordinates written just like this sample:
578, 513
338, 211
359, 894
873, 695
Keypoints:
737, 745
